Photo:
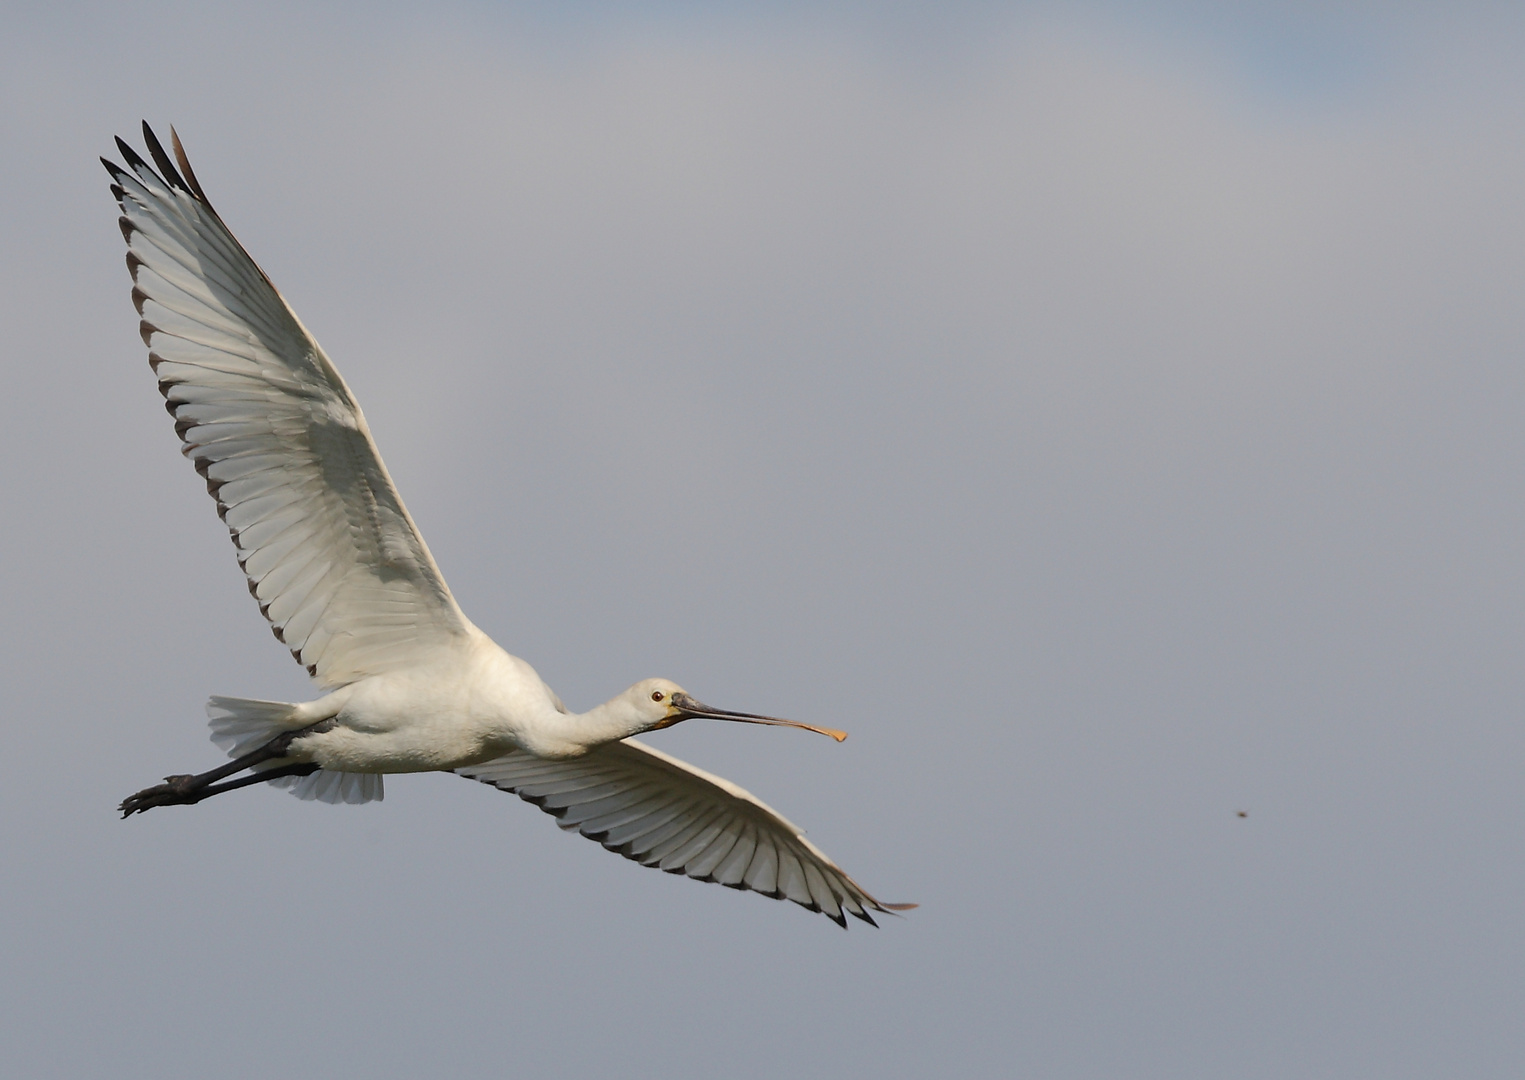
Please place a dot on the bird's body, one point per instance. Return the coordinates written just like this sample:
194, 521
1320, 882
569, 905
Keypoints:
349, 586
462, 706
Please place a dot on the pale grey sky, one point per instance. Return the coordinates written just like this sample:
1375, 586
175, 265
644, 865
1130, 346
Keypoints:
1112, 418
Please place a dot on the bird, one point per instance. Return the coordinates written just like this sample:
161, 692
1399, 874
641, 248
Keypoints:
348, 585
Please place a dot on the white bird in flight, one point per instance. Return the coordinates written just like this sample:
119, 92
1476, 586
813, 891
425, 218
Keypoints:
348, 584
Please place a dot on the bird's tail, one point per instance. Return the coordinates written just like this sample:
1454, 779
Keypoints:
242, 725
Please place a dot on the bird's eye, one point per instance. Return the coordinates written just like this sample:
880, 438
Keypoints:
656, 695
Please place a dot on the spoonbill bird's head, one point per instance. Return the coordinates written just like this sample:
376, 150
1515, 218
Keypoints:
662, 703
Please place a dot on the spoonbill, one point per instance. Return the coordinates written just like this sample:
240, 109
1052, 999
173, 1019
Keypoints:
340, 571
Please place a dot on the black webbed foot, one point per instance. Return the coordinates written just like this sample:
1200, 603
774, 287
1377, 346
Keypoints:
185, 789
179, 790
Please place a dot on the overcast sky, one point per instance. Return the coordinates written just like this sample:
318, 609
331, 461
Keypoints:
1115, 419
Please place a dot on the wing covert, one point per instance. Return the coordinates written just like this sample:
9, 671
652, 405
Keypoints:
330, 552
661, 812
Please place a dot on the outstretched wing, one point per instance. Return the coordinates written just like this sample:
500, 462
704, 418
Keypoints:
332, 556
662, 812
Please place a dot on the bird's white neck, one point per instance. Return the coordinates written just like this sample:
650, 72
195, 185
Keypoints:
564, 735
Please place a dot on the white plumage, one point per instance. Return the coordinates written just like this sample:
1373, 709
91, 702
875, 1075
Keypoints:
340, 570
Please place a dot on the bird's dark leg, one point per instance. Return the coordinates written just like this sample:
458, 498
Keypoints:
186, 789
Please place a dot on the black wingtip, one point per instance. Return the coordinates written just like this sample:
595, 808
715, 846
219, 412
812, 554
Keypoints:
161, 159
185, 167
134, 161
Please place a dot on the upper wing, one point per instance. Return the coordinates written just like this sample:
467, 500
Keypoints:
662, 812
332, 556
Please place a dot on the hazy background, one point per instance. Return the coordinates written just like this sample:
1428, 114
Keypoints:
1114, 418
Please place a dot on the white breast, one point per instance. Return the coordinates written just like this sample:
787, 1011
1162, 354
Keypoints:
458, 706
